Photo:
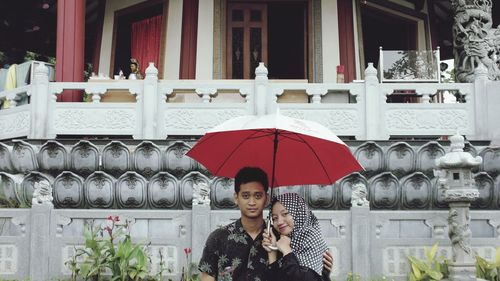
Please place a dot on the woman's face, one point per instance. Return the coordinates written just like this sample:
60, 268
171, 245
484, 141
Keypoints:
282, 219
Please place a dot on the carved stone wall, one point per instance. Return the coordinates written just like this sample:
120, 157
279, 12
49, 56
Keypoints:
157, 175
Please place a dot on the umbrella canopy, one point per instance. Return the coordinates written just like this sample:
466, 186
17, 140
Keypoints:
291, 151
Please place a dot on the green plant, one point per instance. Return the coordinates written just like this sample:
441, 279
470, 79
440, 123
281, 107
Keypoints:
488, 270
110, 248
189, 271
432, 268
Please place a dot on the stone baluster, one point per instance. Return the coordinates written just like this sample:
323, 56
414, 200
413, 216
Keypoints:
200, 219
455, 175
372, 100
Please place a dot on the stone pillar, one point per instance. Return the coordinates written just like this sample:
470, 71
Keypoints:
200, 220
360, 226
263, 103
455, 175
40, 232
372, 100
39, 103
150, 101
70, 45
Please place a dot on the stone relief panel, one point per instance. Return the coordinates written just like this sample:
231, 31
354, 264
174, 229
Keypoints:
384, 191
400, 159
491, 160
68, 190
438, 195
344, 187
28, 185
116, 158
345, 122
176, 162
15, 123
5, 162
163, 191
427, 155
53, 157
416, 191
77, 120
222, 193
84, 158
371, 157
486, 187
131, 191
11, 187
100, 190
299, 189
147, 159
321, 196
420, 120
188, 120
9, 259
24, 156
186, 187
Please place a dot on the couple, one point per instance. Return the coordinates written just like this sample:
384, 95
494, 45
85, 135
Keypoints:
240, 250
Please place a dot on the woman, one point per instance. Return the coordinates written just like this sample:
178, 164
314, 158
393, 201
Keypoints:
300, 243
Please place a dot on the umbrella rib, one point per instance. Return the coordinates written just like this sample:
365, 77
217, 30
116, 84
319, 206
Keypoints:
317, 157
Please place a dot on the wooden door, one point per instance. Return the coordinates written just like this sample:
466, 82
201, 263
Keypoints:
246, 39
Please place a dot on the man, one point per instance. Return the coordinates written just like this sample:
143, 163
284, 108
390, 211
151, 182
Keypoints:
234, 252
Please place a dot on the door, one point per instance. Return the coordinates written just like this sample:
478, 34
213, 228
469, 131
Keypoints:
246, 39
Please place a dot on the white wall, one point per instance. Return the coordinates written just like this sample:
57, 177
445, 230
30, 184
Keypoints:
330, 39
205, 40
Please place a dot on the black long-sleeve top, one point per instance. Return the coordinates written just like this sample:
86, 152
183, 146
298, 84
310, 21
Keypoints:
289, 269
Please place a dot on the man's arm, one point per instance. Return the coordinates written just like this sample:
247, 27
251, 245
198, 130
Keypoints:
206, 277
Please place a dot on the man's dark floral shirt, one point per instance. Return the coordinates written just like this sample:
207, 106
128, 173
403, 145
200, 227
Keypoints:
230, 254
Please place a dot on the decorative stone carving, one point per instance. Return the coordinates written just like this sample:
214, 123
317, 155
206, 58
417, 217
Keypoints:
84, 158
384, 191
24, 156
147, 159
345, 122
68, 190
474, 39
187, 185
100, 190
15, 124
345, 187
189, 120
486, 188
438, 225
438, 194
416, 191
420, 121
321, 196
31, 182
201, 194
131, 190
400, 159
116, 158
176, 162
359, 194
100, 119
5, 162
222, 193
53, 157
371, 156
427, 155
163, 191
299, 189
491, 160
42, 194
11, 187
470, 149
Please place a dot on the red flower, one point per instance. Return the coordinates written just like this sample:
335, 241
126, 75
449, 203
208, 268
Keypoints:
117, 219
187, 251
110, 218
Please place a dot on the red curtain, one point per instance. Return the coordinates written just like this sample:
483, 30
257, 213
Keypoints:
145, 45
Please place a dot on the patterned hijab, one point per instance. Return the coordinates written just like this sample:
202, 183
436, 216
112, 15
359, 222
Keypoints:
308, 243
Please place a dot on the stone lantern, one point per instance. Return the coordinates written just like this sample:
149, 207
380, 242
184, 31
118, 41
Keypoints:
455, 176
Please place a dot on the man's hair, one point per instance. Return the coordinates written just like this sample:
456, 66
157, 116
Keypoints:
250, 174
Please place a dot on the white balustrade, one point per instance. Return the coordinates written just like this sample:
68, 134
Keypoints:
191, 107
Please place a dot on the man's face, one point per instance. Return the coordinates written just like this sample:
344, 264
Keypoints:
251, 199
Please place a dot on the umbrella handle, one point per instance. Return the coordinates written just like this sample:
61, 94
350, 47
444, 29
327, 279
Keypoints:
272, 247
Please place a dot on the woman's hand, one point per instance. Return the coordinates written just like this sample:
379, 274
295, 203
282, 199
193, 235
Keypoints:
268, 240
284, 245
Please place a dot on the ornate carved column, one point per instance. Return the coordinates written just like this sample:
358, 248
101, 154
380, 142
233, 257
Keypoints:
475, 42
455, 175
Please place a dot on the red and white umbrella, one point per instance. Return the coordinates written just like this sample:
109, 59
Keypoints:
291, 151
